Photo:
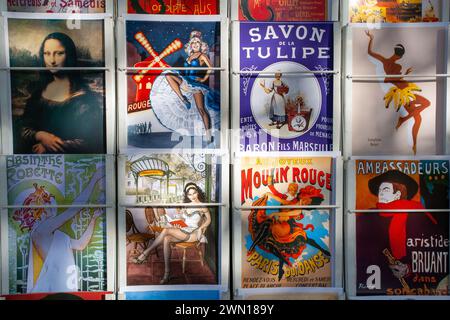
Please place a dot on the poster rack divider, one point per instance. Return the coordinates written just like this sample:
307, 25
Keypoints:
399, 211
327, 207
125, 152
172, 68
291, 290
167, 205
286, 154
411, 76
172, 18
58, 16
288, 73
180, 287
58, 206
63, 68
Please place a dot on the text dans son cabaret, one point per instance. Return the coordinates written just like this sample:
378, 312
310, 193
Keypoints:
287, 47
62, 3
255, 179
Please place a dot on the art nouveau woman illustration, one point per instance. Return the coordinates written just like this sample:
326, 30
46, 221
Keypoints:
51, 262
190, 91
277, 111
197, 221
403, 94
62, 115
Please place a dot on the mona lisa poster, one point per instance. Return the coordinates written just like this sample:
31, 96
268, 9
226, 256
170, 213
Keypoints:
54, 110
397, 110
402, 253
56, 249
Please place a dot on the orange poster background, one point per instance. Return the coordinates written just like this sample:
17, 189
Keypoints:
364, 198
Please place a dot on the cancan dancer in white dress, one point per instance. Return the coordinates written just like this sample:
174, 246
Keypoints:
189, 88
194, 231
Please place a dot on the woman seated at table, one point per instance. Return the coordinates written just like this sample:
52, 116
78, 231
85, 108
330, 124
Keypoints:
196, 221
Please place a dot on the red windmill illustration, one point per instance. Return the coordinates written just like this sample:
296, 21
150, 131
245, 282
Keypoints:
145, 78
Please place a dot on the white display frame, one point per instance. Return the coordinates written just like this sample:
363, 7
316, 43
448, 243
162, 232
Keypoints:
350, 231
332, 14
3, 83
110, 216
108, 69
336, 225
345, 5
223, 236
348, 82
121, 42
235, 88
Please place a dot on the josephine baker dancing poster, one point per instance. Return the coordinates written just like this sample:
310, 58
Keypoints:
173, 108
399, 253
279, 110
398, 115
56, 249
286, 247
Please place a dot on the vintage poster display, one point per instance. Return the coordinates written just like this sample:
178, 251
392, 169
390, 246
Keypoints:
375, 11
286, 86
173, 245
286, 247
274, 10
174, 7
54, 110
58, 6
162, 178
51, 248
402, 253
173, 108
398, 115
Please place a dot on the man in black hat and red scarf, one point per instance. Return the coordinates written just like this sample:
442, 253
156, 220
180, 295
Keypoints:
395, 190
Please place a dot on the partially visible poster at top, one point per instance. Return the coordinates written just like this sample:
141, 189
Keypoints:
274, 10
57, 6
174, 7
373, 11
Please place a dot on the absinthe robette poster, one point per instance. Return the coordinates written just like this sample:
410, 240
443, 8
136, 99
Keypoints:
286, 99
